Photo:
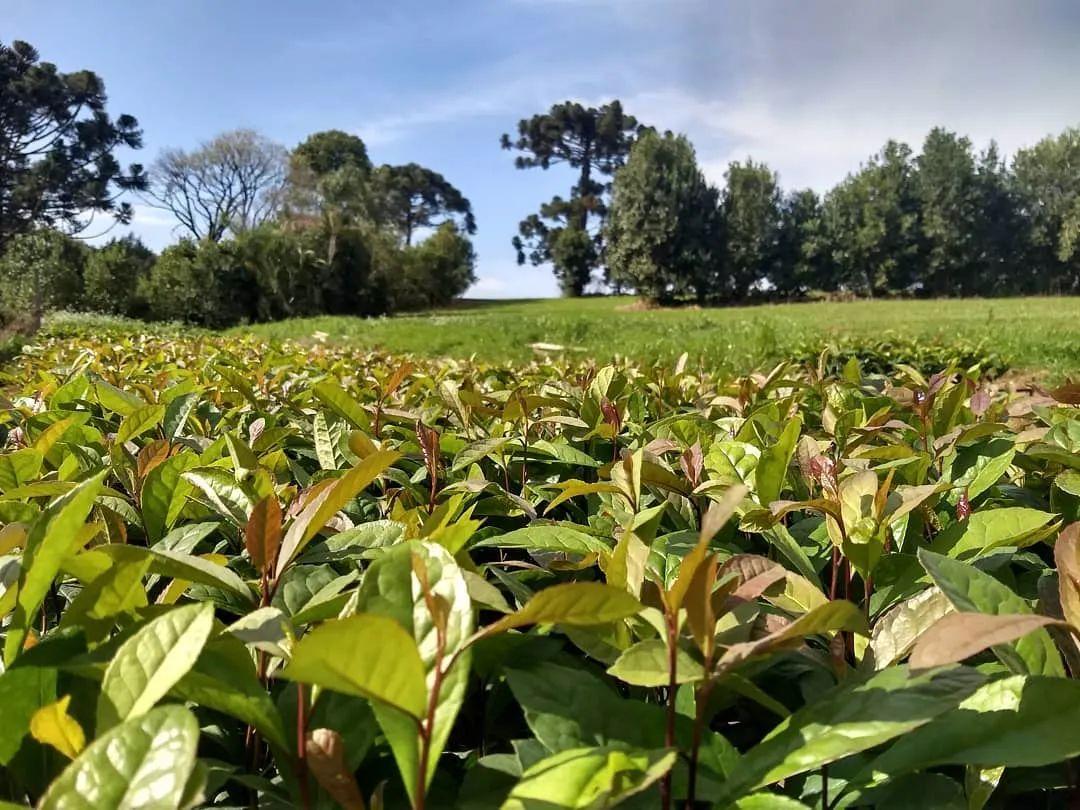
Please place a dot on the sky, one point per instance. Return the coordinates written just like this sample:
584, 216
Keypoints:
811, 87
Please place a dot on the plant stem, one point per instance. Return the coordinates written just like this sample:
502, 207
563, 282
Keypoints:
701, 699
669, 730
301, 747
427, 725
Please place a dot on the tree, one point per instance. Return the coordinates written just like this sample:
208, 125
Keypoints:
413, 196
947, 194
1047, 178
799, 264
750, 211
594, 142
229, 184
872, 224
325, 152
112, 276
57, 144
661, 224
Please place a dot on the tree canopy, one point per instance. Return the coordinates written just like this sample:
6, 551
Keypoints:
595, 142
661, 232
332, 149
231, 183
58, 166
412, 196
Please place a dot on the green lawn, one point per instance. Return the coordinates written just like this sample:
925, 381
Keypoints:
1032, 334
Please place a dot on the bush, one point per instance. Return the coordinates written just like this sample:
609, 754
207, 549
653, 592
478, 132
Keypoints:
436, 271
204, 283
113, 274
43, 270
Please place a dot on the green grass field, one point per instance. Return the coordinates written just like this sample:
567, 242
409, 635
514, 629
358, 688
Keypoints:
1031, 334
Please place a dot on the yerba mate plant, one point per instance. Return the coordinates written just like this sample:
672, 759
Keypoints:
244, 575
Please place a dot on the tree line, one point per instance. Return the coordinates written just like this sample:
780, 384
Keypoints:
268, 232
948, 221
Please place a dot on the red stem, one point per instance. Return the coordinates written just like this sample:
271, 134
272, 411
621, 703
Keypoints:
669, 730
301, 747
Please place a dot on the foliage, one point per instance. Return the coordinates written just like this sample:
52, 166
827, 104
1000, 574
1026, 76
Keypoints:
413, 197
112, 276
58, 168
595, 142
198, 282
1048, 185
40, 270
435, 271
239, 573
331, 150
661, 224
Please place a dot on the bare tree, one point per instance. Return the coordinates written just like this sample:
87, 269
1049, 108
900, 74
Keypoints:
230, 184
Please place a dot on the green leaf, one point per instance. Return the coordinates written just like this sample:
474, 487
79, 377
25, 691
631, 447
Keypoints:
164, 492
324, 444
177, 413
571, 603
19, 468
22, 692
329, 502
118, 590
392, 587
1017, 722
560, 539
151, 662
224, 679
861, 540
588, 778
773, 464
366, 655
478, 451
114, 399
177, 565
646, 664
851, 718
53, 536
991, 529
973, 591
144, 762
222, 493
336, 398
138, 422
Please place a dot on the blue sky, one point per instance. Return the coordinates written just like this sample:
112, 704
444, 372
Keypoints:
810, 86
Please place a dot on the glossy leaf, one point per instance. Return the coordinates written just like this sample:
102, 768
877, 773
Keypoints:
151, 662
144, 762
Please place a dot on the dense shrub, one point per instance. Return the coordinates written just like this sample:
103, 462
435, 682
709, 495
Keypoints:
434, 272
113, 274
204, 283
42, 269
